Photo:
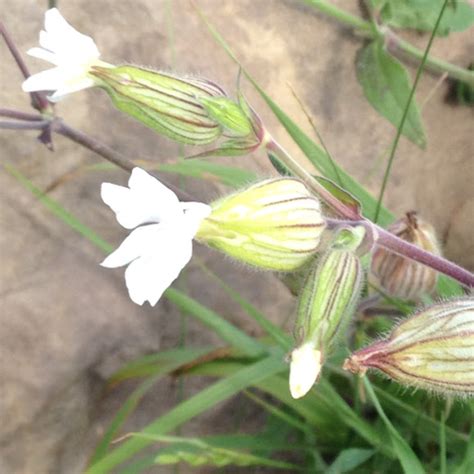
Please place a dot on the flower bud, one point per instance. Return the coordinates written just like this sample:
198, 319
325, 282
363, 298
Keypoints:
167, 104
433, 350
275, 224
328, 298
399, 276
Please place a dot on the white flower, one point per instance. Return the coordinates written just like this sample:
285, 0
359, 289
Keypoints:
157, 251
71, 52
305, 366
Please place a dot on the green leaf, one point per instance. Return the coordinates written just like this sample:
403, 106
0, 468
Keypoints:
201, 169
279, 166
279, 336
165, 363
227, 331
408, 459
341, 194
188, 409
467, 464
386, 85
349, 459
421, 15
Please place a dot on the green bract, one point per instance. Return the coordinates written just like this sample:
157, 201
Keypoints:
276, 225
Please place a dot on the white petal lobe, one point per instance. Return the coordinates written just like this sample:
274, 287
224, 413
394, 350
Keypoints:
157, 252
305, 366
71, 52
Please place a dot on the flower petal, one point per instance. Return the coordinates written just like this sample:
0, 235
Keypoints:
51, 79
149, 276
154, 195
194, 213
143, 241
146, 201
65, 41
43, 54
304, 369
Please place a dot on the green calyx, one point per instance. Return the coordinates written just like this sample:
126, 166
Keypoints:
329, 296
229, 115
170, 105
274, 225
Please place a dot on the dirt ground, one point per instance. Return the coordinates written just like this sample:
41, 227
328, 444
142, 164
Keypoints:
66, 323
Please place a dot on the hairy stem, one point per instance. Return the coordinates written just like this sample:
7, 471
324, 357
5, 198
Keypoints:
312, 184
405, 249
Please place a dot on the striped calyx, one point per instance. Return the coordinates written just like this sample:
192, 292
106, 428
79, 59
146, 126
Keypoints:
433, 350
399, 276
275, 225
326, 303
168, 104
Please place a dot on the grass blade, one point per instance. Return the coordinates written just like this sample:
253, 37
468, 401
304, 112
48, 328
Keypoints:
408, 459
190, 408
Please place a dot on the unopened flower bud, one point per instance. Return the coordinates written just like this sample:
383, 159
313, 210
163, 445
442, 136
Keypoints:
326, 303
167, 104
275, 224
402, 277
433, 350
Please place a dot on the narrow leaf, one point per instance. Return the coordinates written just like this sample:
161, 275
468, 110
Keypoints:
408, 459
188, 409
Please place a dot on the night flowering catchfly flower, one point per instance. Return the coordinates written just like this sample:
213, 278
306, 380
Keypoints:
161, 243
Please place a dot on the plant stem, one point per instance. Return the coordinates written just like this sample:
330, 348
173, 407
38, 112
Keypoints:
38, 100
18, 115
312, 184
405, 249
92, 144
24, 125
341, 15
408, 250
395, 44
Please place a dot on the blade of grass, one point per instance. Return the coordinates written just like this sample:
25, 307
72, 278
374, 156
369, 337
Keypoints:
278, 335
391, 158
171, 361
408, 413
201, 452
227, 331
190, 408
277, 412
147, 365
321, 408
408, 459
467, 465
